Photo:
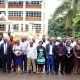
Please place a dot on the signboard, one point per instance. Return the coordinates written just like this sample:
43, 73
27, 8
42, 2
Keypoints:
24, 0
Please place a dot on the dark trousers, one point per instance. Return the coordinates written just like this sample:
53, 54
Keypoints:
68, 64
0, 63
60, 59
24, 67
6, 63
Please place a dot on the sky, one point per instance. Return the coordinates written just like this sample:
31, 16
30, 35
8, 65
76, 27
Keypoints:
51, 5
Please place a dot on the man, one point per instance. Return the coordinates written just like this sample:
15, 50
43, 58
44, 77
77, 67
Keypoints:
50, 55
31, 57
24, 45
60, 56
6, 51
12, 42
1, 42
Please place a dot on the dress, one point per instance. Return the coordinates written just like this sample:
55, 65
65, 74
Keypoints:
18, 59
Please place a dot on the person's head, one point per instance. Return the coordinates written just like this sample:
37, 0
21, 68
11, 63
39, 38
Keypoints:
33, 39
17, 42
11, 38
22, 39
0, 37
64, 39
25, 38
61, 42
40, 43
72, 39
50, 40
54, 40
31, 43
5, 39
43, 39
68, 43
78, 41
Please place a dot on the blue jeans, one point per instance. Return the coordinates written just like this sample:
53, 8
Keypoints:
50, 61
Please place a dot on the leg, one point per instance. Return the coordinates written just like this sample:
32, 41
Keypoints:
48, 63
52, 64
33, 64
25, 63
4, 63
29, 64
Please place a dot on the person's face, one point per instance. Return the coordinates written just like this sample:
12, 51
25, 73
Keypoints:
23, 39
17, 42
33, 40
61, 42
5, 40
68, 43
11, 38
79, 42
43, 39
31, 43
40, 43
50, 41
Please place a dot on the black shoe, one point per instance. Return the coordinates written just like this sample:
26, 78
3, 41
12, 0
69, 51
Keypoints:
56, 73
4, 71
62, 73
9, 71
47, 72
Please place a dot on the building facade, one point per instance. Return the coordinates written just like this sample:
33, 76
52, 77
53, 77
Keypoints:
23, 17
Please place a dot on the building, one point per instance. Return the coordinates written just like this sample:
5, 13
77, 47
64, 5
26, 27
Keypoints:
23, 17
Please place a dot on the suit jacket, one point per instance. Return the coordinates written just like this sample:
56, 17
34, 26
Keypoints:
9, 50
48, 49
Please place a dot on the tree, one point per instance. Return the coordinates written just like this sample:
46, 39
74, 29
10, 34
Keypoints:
66, 14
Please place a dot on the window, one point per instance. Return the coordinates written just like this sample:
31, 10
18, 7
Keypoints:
2, 12
2, 1
26, 27
16, 13
2, 27
33, 14
33, 2
14, 2
15, 26
36, 26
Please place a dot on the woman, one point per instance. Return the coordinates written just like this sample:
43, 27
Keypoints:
68, 58
77, 57
17, 49
40, 57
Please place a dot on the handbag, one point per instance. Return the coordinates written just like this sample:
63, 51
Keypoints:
40, 60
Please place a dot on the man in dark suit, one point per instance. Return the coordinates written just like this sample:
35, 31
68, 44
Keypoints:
6, 55
50, 55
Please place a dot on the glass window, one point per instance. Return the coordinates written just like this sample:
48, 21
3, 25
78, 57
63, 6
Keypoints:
15, 26
26, 27
2, 27
16, 13
36, 26
2, 1
33, 13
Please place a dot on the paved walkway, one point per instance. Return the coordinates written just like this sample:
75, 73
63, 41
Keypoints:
25, 76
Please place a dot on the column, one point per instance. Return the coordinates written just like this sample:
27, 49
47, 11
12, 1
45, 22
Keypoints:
30, 28
7, 27
19, 27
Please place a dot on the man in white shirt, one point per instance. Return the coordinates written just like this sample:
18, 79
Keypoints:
24, 44
31, 57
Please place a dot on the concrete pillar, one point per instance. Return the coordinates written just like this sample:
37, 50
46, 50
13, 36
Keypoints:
30, 28
19, 27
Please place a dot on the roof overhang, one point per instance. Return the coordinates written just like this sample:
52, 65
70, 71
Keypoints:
24, 0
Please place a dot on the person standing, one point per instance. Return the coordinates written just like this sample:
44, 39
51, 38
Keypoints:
41, 54
60, 56
6, 52
1, 42
68, 58
50, 55
12, 42
77, 57
17, 49
31, 58
24, 45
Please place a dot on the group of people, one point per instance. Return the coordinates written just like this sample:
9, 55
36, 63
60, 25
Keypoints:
49, 56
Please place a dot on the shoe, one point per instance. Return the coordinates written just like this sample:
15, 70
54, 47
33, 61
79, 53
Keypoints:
47, 72
62, 73
8, 71
52, 72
